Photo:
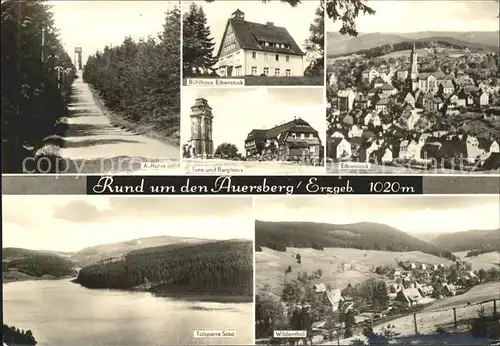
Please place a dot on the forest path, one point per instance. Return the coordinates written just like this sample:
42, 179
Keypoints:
94, 145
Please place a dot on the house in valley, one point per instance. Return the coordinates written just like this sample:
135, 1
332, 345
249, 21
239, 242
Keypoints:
426, 290
250, 48
408, 297
319, 288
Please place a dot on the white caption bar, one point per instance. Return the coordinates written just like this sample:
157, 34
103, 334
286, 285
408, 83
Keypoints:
290, 333
214, 333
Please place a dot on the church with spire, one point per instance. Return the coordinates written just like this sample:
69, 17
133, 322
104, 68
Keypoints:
426, 82
413, 72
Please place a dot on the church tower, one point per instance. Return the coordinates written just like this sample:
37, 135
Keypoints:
413, 73
201, 129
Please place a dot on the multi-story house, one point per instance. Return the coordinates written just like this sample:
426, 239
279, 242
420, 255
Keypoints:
370, 74
346, 100
249, 48
296, 138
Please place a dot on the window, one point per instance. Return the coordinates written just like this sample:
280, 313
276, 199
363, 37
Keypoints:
288, 58
312, 150
267, 44
277, 57
254, 70
302, 136
277, 72
311, 136
266, 71
288, 72
294, 136
266, 57
254, 55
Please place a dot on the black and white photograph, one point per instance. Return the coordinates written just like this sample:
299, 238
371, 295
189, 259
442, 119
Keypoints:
253, 130
90, 87
237, 43
414, 88
354, 270
127, 271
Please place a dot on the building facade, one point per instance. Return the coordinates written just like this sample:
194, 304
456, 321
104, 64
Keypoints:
201, 143
427, 82
249, 48
296, 139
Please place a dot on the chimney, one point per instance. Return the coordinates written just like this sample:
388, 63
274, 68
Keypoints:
270, 24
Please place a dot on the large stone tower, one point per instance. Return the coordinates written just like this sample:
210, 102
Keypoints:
413, 73
78, 57
201, 129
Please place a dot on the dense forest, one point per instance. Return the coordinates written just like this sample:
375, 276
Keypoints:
364, 236
470, 240
37, 74
140, 81
39, 264
13, 336
222, 267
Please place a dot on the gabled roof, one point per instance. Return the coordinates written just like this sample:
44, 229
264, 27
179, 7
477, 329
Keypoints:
383, 101
387, 86
356, 140
248, 35
485, 143
345, 93
298, 125
447, 83
257, 134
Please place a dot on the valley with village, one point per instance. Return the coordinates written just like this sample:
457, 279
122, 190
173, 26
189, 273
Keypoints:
418, 103
368, 283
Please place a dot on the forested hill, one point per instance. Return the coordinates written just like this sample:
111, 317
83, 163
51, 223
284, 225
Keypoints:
470, 240
339, 45
94, 254
23, 264
219, 267
363, 235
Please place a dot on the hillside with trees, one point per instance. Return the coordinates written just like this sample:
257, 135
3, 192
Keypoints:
140, 81
486, 240
30, 264
106, 252
221, 267
373, 44
37, 74
13, 336
363, 235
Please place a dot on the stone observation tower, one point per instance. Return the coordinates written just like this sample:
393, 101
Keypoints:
78, 57
201, 143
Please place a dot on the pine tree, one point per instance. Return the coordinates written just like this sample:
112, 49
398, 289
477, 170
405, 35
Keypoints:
198, 46
31, 100
315, 44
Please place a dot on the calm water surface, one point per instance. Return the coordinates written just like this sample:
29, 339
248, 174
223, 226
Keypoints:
61, 313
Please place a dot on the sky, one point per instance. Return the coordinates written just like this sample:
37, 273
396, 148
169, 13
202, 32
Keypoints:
422, 214
94, 24
71, 223
296, 20
431, 15
238, 111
